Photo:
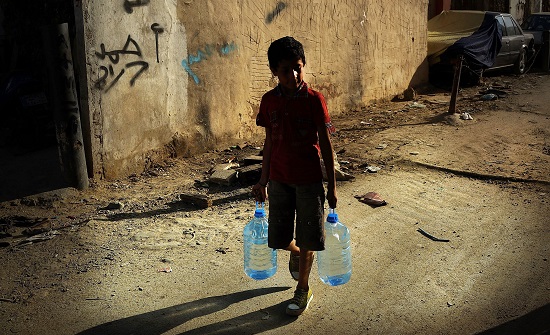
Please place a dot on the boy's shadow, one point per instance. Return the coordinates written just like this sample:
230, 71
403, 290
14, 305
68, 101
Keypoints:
160, 321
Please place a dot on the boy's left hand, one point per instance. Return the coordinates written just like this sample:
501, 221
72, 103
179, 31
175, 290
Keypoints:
331, 198
259, 192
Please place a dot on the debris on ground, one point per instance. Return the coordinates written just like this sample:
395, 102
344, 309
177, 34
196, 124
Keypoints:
466, 116
417, 105
372, 169
372, 199
166, 269
40, 237
431, 237
489, 97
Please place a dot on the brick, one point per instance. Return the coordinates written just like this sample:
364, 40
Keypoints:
223, 177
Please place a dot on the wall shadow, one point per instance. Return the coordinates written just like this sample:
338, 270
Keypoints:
160, 321
536, 322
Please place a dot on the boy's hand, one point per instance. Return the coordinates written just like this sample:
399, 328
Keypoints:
259, 192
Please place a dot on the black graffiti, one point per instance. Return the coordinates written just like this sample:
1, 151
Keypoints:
275, 13
114, 56
129, 5
157, 29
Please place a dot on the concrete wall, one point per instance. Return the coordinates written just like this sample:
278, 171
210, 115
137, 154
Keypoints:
212, 70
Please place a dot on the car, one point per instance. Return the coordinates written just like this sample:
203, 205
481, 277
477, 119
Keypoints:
517, 45
487, 41
535, 24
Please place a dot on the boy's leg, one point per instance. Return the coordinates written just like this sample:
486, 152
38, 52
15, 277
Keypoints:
306, 261
294, 261
303, 294
309, 237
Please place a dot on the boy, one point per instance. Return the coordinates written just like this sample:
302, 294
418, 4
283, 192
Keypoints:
297, 127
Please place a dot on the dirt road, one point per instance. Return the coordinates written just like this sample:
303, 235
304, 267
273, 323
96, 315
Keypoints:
483, 184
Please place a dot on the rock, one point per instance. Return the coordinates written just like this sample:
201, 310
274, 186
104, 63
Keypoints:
200, 200
113, 206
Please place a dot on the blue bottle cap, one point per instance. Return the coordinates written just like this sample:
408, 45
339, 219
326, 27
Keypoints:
332, 217
260, 211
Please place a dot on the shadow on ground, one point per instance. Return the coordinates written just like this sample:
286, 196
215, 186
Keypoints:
533, 323
160, 321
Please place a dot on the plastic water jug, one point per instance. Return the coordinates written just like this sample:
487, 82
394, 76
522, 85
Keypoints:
334, 263
260, 261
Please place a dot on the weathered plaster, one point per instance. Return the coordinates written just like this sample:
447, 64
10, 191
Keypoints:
212, 72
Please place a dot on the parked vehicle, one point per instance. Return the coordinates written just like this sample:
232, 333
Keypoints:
487, 40
535, 24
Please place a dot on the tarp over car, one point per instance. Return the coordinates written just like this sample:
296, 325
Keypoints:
474, 34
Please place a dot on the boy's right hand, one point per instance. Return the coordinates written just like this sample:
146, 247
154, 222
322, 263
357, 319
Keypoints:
259, 192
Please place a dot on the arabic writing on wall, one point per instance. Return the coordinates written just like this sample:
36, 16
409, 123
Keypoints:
130, 48
129, 5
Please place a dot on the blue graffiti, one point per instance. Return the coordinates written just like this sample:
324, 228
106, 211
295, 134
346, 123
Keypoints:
203, 54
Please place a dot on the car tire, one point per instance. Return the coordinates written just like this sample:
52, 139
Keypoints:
520, 65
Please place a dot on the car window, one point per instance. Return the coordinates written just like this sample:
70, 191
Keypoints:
517, 28
500, 24
530, 23
509, 24
538, 22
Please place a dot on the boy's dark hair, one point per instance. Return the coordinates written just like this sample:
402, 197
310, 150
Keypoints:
285, 48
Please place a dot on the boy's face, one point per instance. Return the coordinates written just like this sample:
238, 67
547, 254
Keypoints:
290, 74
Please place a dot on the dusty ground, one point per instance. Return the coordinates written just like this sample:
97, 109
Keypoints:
482, 183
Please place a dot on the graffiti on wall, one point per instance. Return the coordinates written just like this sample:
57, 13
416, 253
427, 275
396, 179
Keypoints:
275, 13
157, 29
106, 80
129, 5
203, 54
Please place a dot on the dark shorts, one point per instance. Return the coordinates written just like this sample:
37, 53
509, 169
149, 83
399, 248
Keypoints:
303, 202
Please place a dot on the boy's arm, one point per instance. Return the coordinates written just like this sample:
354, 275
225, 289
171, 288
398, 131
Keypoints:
259, 190
328, 157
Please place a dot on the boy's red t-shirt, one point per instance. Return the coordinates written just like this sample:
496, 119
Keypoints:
295, 154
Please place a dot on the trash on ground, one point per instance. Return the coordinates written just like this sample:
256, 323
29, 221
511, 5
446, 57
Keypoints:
466, 116
417, 105
414, 153
166, 269
372, 169
498, 93
431, 237
372, 199
382, 146
489, 97
41, 237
